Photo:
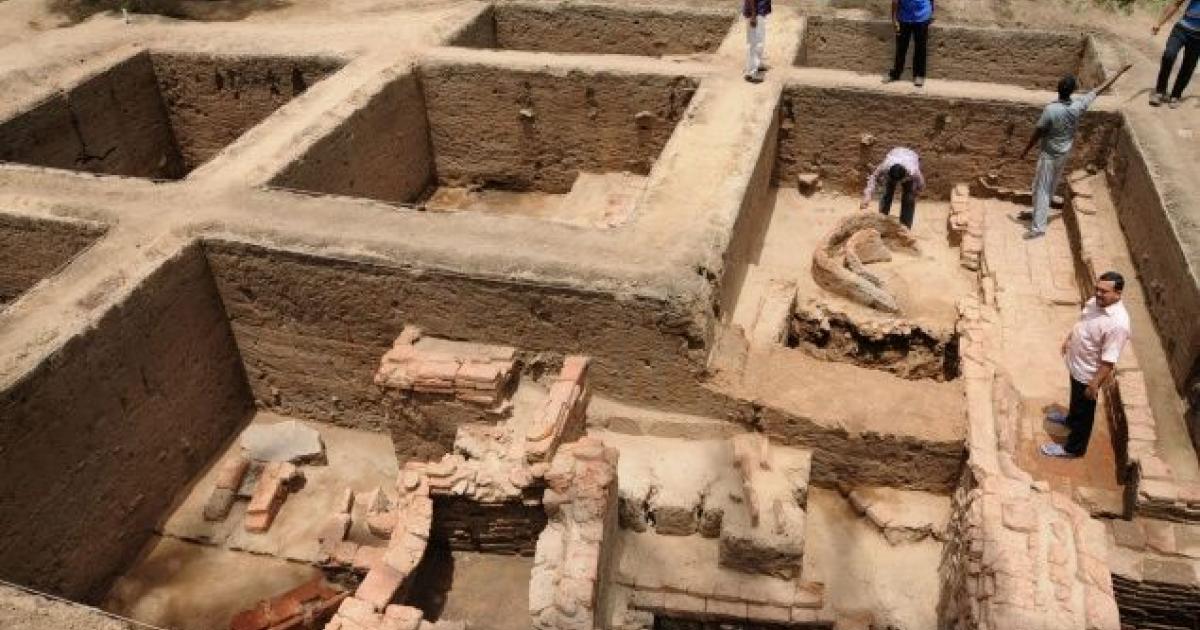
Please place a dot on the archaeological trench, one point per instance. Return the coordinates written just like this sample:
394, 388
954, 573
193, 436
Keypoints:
537, 316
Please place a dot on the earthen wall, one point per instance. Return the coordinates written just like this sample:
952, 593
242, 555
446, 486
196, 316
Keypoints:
843, 133
211, 100
98, 441
961, 53
32, 249
1171, 284
520, 130
396, 164
599, 29
311, 331
113, 123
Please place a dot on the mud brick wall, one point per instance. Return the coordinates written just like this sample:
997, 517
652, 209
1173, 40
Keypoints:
98, 441
380, 151
1158, 605
113, 123
1157, 237
596, 29
525, 131
823, 131
211, 100
311, 332
32, 249
467, 525
1036, 59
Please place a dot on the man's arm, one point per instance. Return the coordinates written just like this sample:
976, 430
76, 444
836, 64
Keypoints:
932, 10
1098, 381
918, 179
1066, 342
1037, 135
895, 12
749, 11
1168, 11
870, 189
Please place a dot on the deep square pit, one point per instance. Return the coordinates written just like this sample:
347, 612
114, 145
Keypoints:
157, 114
596, 29
573, 147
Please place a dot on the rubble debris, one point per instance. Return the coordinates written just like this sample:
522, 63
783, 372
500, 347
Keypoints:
306, 607
288, 441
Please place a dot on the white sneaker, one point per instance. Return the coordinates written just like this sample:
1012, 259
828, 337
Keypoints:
1057, 417
1056, 450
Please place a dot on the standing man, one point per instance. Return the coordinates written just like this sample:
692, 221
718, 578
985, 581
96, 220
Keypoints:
1091, 350
1185, 35
1056, 132
910, 19
755, 12
900, 167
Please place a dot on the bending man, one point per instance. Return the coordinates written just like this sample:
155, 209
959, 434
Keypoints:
900, 167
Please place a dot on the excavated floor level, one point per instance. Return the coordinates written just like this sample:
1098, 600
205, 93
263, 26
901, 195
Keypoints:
672, 244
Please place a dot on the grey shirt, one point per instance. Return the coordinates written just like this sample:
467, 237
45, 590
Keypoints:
1059, 121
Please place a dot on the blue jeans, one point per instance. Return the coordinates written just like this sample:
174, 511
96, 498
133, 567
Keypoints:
1189, 41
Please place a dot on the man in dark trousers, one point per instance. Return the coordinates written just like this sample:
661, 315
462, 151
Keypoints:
900, 168
1184, 36
910, 20
1091, 350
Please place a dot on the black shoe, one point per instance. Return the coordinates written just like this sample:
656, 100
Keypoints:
753, 78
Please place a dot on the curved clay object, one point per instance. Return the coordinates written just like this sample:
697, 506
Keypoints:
839, 262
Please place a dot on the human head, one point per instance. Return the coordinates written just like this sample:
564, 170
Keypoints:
1108, 288
897, 173
1066, 87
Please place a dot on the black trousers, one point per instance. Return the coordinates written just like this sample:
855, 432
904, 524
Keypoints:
908, 201
1080, 418
908, 31
1189, 42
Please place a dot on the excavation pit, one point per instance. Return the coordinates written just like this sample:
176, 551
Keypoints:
960, 53
596, 29
34, 249
156, 114
574, 147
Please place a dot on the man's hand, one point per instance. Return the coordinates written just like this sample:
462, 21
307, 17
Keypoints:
896, 27
864, 204
1154, 29
1063, 350
753, 21
1093, 391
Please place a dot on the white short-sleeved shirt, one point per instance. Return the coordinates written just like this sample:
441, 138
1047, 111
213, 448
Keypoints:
1099, 335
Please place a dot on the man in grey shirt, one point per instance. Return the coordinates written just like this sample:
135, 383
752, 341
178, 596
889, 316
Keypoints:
1056, 131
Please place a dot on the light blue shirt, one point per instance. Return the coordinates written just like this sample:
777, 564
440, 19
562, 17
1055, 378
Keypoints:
911, 11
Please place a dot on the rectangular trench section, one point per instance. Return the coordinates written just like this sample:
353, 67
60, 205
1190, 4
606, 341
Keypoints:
157, 115
596, 29
456, 132
101, 437
823, 131
960, 53
33, 249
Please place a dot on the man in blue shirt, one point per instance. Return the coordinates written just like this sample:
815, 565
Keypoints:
1185, 35
755, 12
910, 18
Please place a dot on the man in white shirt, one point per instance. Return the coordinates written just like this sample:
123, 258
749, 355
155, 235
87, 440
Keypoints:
1091, 350
901, 167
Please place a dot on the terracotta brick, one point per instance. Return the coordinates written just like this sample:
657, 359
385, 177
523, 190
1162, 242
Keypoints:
723, 609
229, 475
257, 618
258, 522
380, 586
367, 557
574, 368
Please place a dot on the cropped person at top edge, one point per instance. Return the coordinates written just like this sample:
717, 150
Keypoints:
1184, 36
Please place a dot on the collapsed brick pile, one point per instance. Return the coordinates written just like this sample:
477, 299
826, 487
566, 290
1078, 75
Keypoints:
480, 378
566, 589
